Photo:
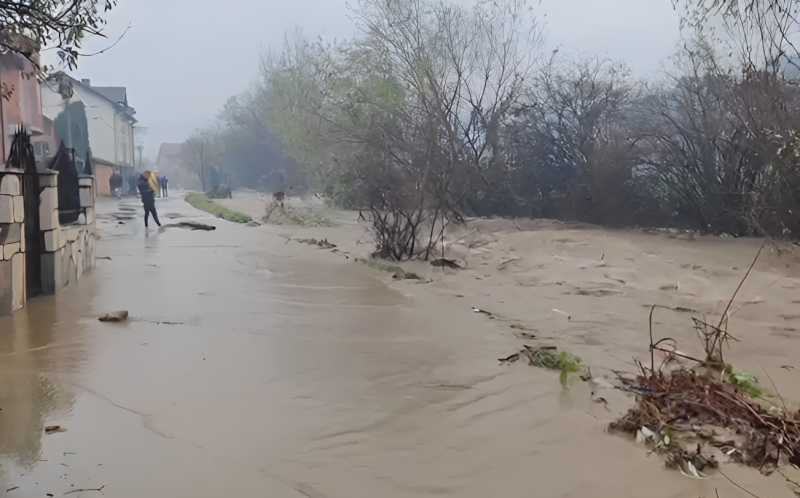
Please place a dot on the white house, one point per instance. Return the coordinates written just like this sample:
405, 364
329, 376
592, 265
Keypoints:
91, 117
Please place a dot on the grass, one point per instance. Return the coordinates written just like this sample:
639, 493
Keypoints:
203, 203
310, 221
279, 215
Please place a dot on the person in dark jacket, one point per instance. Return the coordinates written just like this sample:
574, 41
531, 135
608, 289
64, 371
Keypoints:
115, 183
164, 186
148, 198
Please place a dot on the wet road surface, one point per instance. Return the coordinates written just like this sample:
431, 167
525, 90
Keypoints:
250, 369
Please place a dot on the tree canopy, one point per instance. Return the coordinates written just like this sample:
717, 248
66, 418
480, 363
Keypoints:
58, 24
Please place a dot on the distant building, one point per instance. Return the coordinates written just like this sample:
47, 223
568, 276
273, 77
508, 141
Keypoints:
172, 163
92, 117
170, 157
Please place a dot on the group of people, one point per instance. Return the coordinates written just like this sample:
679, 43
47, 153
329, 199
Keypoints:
150, 186
159, 184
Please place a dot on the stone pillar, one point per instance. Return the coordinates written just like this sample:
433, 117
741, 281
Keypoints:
87, 192
12, 242
84, 258
49, 225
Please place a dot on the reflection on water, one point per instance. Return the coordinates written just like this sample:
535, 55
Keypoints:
28, 401
31, 353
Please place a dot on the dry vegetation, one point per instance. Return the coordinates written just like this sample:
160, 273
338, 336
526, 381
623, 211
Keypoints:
695, 416
434, 112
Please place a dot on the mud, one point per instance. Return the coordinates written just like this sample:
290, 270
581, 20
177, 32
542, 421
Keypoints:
253, 367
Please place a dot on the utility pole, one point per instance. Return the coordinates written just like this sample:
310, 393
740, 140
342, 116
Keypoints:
140, 148
139, 133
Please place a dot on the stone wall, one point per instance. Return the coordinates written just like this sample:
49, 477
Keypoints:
12, 242
69, 250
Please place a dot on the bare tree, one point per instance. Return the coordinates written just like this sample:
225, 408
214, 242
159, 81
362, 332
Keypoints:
760, 34
459, 73
709, 137
570, 145
201, 151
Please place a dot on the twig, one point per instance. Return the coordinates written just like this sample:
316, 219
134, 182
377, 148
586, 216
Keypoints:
748, 407
96, 489
727, 308
732, 482
652, 344
108, 48
676, 353
777, 392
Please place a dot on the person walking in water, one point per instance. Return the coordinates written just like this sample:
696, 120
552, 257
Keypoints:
164, 186
148, 198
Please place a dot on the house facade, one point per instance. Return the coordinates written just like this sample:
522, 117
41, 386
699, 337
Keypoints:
47, 219
21, 102
95, 121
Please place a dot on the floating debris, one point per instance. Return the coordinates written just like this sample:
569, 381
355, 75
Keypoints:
448, 263
569, 317
116, 316
322, 244
547, 357
700, 413
190, 225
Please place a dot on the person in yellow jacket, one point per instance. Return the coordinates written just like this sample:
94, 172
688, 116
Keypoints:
155, 182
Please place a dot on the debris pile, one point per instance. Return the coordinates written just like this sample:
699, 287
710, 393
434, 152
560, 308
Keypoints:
685, 415
697, 416
322, 244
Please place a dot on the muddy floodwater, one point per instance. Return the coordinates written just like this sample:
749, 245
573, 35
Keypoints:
254, 365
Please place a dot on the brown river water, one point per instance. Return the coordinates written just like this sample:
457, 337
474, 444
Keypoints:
253, 365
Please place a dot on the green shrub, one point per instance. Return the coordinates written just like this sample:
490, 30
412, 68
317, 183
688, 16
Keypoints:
747, 383
565, 362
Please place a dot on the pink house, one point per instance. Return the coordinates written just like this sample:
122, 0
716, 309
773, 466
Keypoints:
21, 101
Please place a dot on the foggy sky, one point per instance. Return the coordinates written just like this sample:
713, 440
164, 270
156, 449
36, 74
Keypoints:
182, 59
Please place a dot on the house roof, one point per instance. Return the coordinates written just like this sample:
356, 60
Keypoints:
169, 151
117, 95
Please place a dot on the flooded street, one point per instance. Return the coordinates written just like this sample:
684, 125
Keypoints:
254, 366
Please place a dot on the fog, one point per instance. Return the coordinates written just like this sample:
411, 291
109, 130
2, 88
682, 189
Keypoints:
404, 249
181, 60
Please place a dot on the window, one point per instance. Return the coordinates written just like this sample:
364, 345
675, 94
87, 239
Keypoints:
41, 150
